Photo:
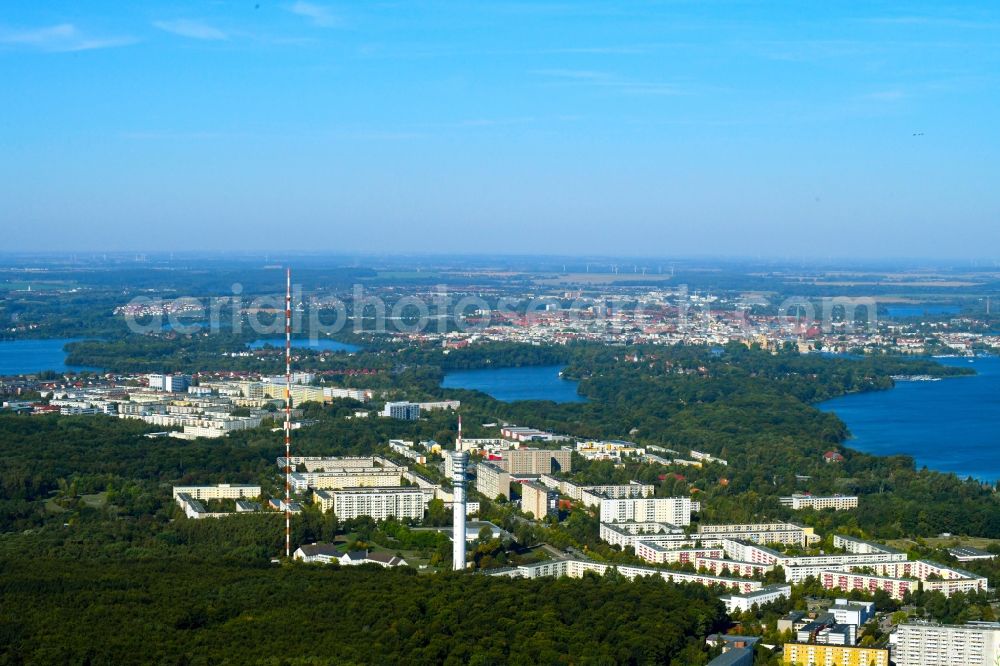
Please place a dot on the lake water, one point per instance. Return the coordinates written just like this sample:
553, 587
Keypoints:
952, 425
511, 384
902, 311
23, 357
315, 345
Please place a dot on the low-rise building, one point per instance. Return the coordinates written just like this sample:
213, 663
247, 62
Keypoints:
759, 596
734, 657
852, 612
405, 449
705, 457
575, 568
812, 654
218, 491
439, 405
806, 501
276, 504
969, 554
856, 545
521, 434
609, 450
324, 553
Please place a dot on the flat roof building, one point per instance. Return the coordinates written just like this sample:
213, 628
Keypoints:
378, 502
968, 554
808, 654
536, 461
806, 501
757, 597
673, 510
734, 657
492, 480
538, 500
947, 645
219, 491
404, 411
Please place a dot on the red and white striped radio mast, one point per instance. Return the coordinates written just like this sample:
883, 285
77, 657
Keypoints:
288, 412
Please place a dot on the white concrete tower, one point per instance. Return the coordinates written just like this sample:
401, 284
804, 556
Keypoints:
459, 460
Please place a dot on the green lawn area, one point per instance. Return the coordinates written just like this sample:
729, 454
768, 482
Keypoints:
52, 507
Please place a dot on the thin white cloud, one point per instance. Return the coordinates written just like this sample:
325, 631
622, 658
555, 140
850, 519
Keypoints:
62, 37
191, 29
495, 122
891, 95
932, 22
575, 74
319, 14
586, 77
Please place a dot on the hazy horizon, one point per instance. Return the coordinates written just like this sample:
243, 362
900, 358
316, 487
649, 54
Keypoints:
754, 130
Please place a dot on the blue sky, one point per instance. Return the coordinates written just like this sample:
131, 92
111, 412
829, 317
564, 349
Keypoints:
732, 128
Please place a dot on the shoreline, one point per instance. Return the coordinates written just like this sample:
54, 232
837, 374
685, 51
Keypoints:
916, 438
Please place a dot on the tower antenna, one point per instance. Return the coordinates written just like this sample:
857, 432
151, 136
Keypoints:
288, 412
458, 463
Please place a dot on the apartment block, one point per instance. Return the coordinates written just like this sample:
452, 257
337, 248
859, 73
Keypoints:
659, 554
358, 478
575, 568
220, 491
538, 500
731, 567
628, 535
591, 496
492, 480
536, 461
812, 654
761, 533
835, 502
673, 510
379, 503
947, 645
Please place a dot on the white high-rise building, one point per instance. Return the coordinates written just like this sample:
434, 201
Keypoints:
673, 510
378, 502
972, 644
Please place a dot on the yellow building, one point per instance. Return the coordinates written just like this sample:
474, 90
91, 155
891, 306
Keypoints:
810, 654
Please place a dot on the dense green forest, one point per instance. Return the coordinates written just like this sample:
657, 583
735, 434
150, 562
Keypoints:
175, 612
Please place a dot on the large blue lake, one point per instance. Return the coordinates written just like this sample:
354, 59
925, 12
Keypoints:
952, 425
324, 344
511, 384
23, 357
